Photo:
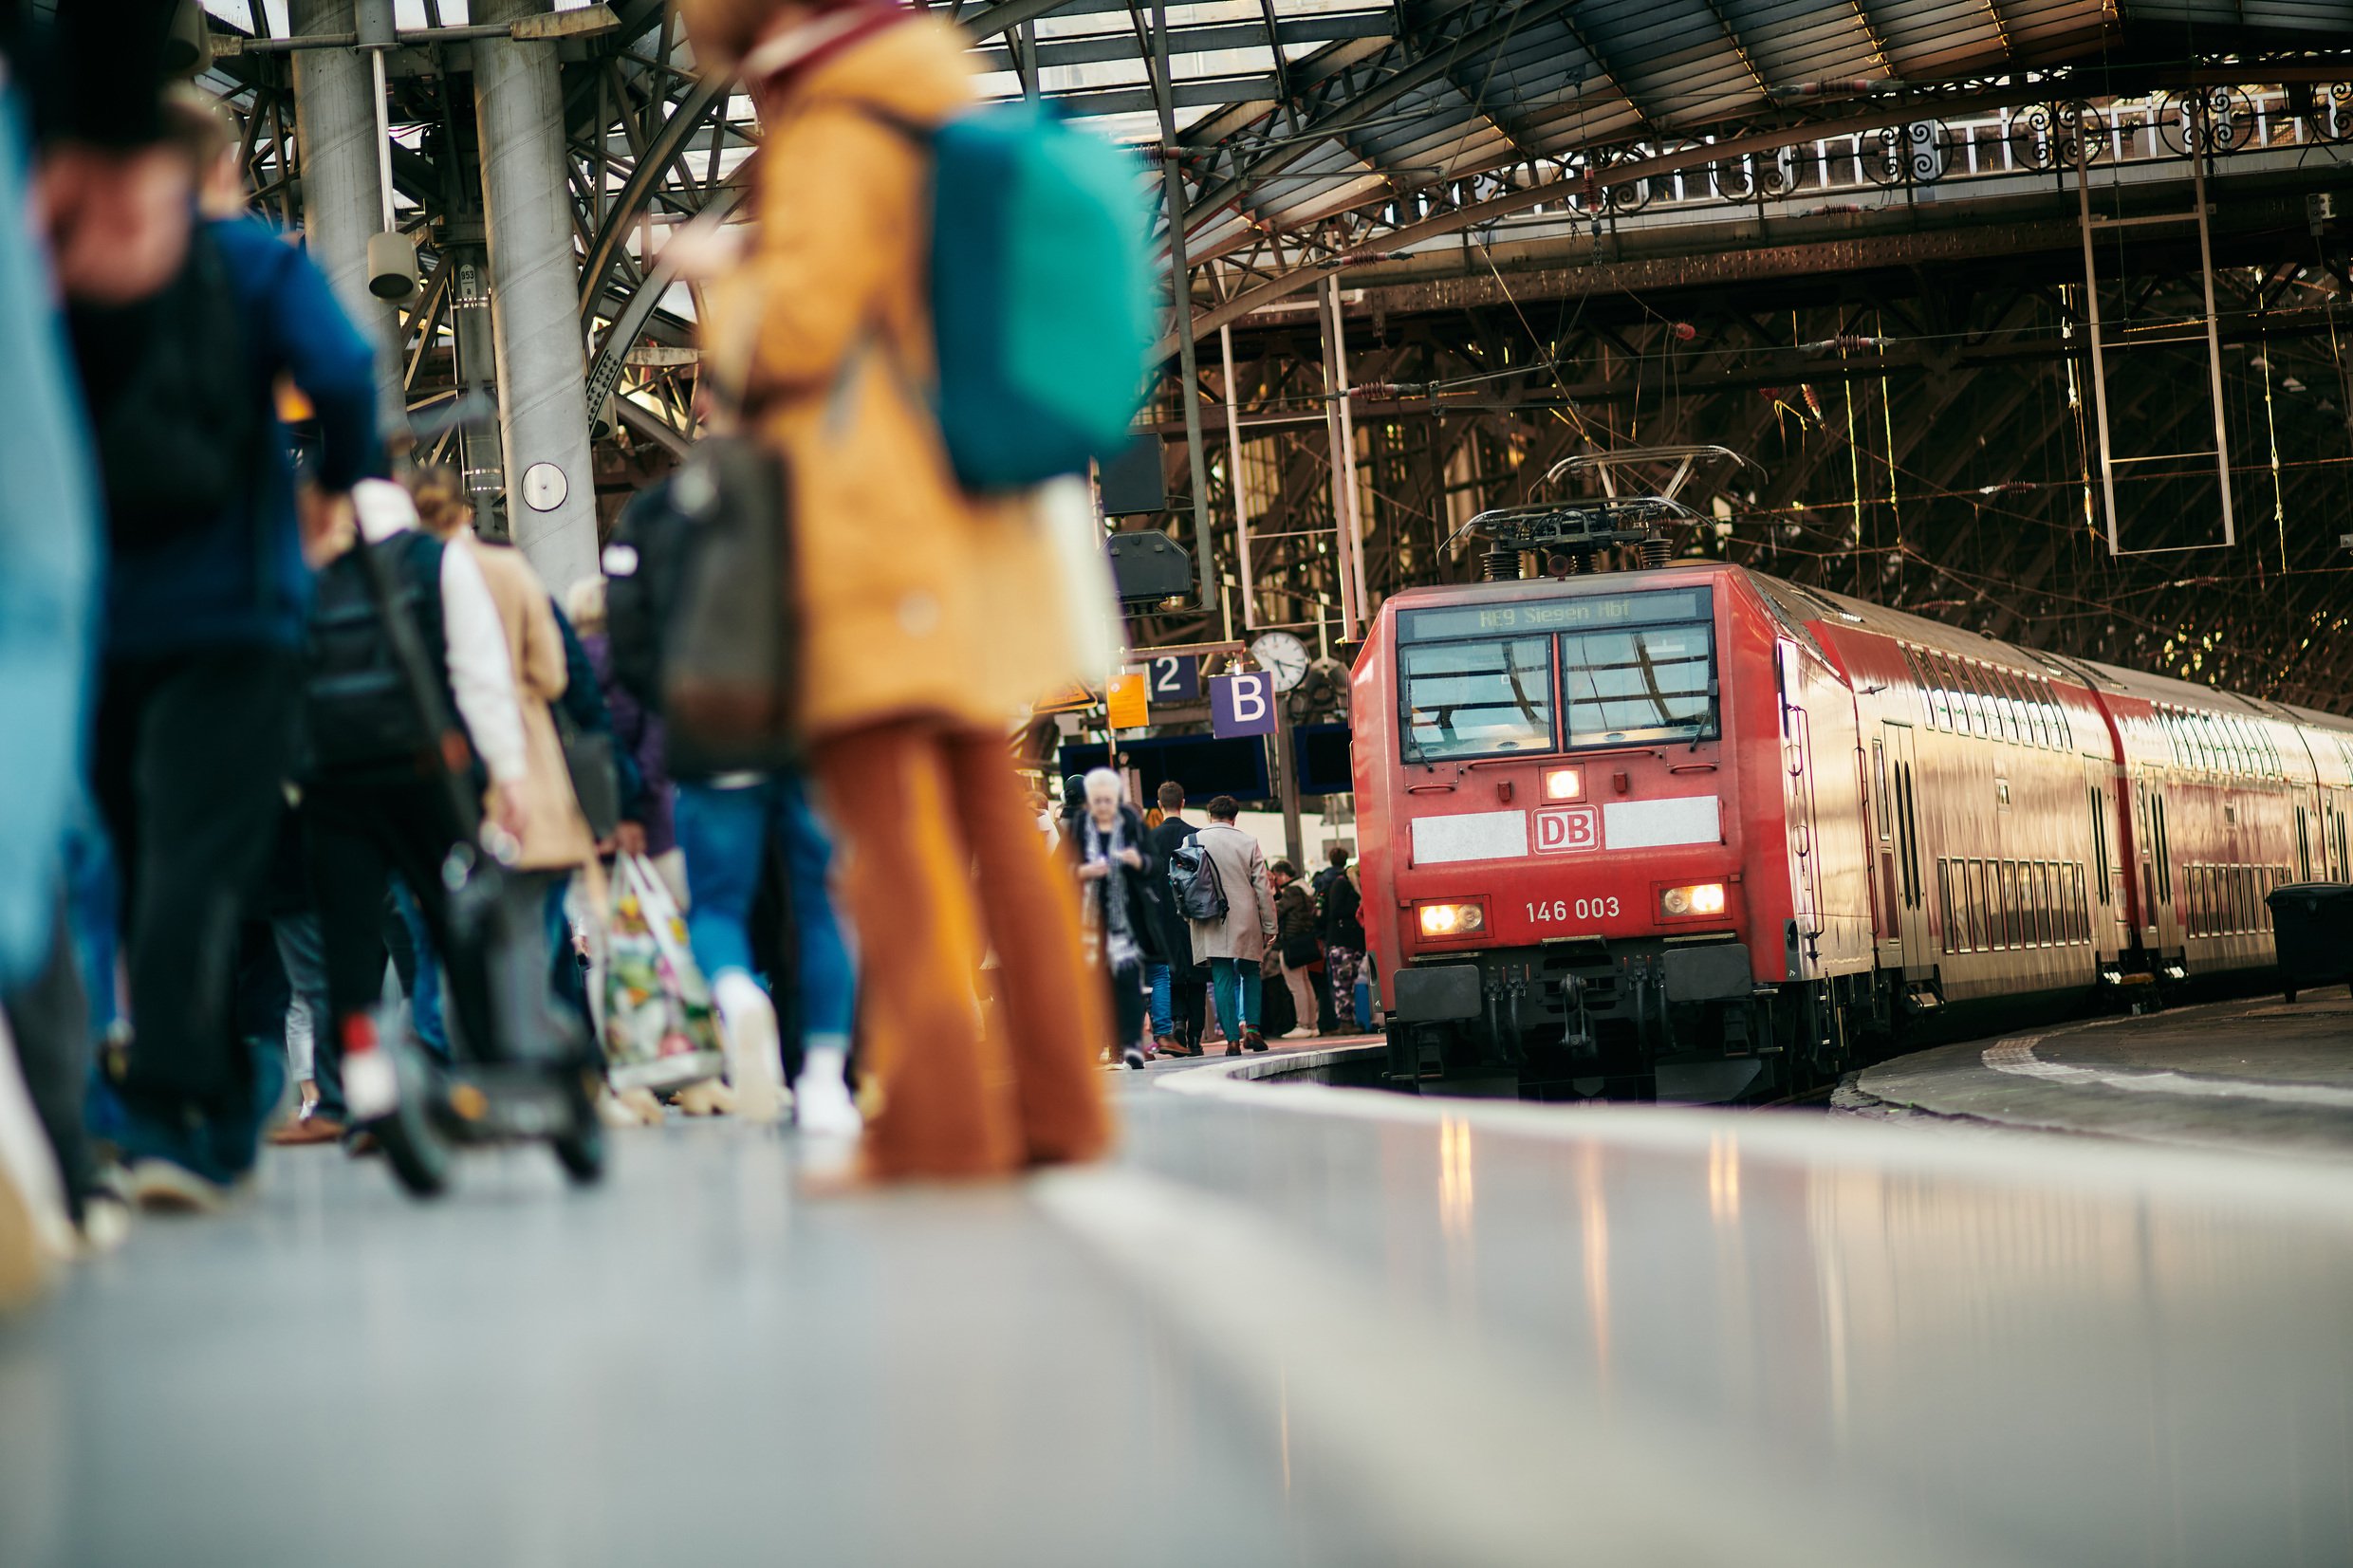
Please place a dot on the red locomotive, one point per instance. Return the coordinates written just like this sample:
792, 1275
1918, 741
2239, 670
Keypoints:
1702, 826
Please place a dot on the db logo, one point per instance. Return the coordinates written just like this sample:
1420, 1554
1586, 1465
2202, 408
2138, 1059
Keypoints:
1567, 829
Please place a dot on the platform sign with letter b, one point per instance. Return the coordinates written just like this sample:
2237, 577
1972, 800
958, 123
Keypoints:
1241, 705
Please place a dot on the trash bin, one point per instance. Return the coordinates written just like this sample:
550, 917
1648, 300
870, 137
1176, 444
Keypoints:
2312, 933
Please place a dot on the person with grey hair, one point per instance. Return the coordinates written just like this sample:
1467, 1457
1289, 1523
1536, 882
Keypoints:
1119, 914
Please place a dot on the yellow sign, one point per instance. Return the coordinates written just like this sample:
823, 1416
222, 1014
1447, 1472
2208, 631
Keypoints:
1126, 698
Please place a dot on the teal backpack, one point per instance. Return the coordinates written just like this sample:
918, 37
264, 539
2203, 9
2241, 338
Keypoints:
1042, 294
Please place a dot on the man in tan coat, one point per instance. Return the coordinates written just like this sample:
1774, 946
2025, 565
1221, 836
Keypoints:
1235, 946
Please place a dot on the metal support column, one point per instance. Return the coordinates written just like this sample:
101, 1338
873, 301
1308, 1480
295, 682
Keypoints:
543, 382
2214, 328
1180, 294
1336, 443
335, 128
1233, 483
1352, 553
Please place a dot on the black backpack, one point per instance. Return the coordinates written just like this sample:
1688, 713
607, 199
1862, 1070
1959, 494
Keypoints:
179, 412
1193, 877
360, 704
699, 607
641, 588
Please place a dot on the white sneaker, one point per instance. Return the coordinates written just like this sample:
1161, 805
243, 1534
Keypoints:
823, 1107
753, 1066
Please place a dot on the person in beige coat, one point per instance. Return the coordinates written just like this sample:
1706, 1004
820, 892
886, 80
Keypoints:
555, 836
1234, 946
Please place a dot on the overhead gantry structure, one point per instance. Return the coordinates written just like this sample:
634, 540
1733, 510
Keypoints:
1425, 249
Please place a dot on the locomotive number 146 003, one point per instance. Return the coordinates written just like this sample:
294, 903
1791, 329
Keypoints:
1572, 909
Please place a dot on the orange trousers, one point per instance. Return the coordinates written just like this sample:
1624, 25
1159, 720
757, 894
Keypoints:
941, 861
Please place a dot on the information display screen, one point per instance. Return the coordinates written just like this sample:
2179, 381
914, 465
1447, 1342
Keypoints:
1589, 612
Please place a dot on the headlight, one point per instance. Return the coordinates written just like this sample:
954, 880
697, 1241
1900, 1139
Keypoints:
1564, 784
1451, 919
1699, 898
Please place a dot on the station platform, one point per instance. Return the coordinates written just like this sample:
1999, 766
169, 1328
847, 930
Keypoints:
2255, 1074
1292, 1323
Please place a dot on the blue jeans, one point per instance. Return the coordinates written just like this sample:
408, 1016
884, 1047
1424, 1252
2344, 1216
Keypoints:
726, 835
1234, 981
425, 999
1163, 1021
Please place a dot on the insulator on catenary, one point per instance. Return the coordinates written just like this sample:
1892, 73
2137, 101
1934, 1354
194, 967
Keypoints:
1656, 551
1851, 342
1684, 332
1838, 86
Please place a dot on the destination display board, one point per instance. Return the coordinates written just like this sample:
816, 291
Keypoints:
1585, 612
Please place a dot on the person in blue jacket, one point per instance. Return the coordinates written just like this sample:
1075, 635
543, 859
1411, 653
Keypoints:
201, 658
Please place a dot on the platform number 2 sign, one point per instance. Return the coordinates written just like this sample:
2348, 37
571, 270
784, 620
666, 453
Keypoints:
1175, 677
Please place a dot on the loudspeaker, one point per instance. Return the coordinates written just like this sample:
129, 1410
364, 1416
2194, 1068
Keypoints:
1133, 480
1149, 567
392, 265
188, 47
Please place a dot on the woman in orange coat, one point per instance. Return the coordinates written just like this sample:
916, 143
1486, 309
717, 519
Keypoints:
923, 628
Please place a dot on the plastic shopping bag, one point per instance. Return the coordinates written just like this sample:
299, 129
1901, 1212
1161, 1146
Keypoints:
661, 1031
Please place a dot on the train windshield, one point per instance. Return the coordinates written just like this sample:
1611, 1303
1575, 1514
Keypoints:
1486, 697
1634, 684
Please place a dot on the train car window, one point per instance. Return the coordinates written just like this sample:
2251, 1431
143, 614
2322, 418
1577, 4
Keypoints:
1953, 937
2047, 910
1475, 699
1918, 672
2029, 711
1938, 691
2005, 725
1969, 716
2014, 703
2100, 840
2164, 856
1906, 793
2304, 843
2213, 743
1982, 921
1879, 791
1988, 713
1647, 683
2059, 714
